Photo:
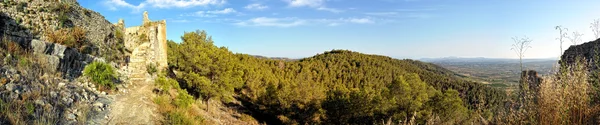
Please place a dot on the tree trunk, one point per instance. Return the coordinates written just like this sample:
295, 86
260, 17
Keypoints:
207, 105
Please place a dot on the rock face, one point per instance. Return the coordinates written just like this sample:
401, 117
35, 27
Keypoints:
24, 20
148, 44
62, 59
532, 79
589, 51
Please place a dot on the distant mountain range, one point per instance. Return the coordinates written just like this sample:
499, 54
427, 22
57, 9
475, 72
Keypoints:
483, 59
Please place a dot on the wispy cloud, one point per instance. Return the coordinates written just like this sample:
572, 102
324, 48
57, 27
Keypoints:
272, 22
404, 13
342, 21
211, 13
330, 9
183, 3
317, 4
224, 11
293, 21
360, 20
115, 4
302, 3
256, 6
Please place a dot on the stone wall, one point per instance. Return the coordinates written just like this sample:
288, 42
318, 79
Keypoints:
148, 44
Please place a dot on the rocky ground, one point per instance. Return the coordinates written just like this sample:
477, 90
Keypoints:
134, 105
70, 101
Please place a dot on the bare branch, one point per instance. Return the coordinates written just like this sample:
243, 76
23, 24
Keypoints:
575, 38
595, 26
520, 46
563, 34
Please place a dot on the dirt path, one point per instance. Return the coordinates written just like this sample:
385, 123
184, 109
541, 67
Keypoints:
134, 106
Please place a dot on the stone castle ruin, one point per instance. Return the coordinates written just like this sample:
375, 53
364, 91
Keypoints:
148, 46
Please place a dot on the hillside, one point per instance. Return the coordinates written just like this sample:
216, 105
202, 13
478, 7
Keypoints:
336, 87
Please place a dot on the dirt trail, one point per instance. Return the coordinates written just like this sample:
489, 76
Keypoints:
134, 105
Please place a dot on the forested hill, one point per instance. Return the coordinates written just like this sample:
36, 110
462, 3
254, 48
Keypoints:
336, 87
376, 69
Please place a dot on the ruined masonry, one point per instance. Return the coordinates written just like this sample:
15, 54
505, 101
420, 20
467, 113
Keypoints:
148, 45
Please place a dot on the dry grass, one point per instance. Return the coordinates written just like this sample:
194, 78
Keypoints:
70, 37
564, 98
84, 109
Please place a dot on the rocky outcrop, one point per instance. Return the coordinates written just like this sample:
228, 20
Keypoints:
589, 52
532, 79
66, 101
23, 21
62, 59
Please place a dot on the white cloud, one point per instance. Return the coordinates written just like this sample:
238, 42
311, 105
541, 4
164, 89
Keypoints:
330, 9
301, 3
212, 13
317, 4
340, 21
224, 11
256, 6
393, 14
113, 4
360, 20
183, 3
272, 22
292, 21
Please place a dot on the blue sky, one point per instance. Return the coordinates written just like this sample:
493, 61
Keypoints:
397, 28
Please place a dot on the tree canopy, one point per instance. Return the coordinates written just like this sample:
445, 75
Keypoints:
336, 87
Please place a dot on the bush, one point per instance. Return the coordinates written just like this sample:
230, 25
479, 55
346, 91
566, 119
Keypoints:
120, 40
24, 61
101, 74
165, 84
62, 9
151, 69
183, 99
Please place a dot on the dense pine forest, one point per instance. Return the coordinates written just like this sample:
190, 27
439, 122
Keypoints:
336, 87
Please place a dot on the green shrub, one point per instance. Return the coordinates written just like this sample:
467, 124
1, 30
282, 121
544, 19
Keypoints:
120, 40
24, 61
183, 99
101, 74
30, 108
165, 84
62, 9
151, 69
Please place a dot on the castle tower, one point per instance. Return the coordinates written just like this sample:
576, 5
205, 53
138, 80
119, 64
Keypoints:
146, 19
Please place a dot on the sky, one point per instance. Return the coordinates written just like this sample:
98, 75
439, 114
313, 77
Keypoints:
396, 28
